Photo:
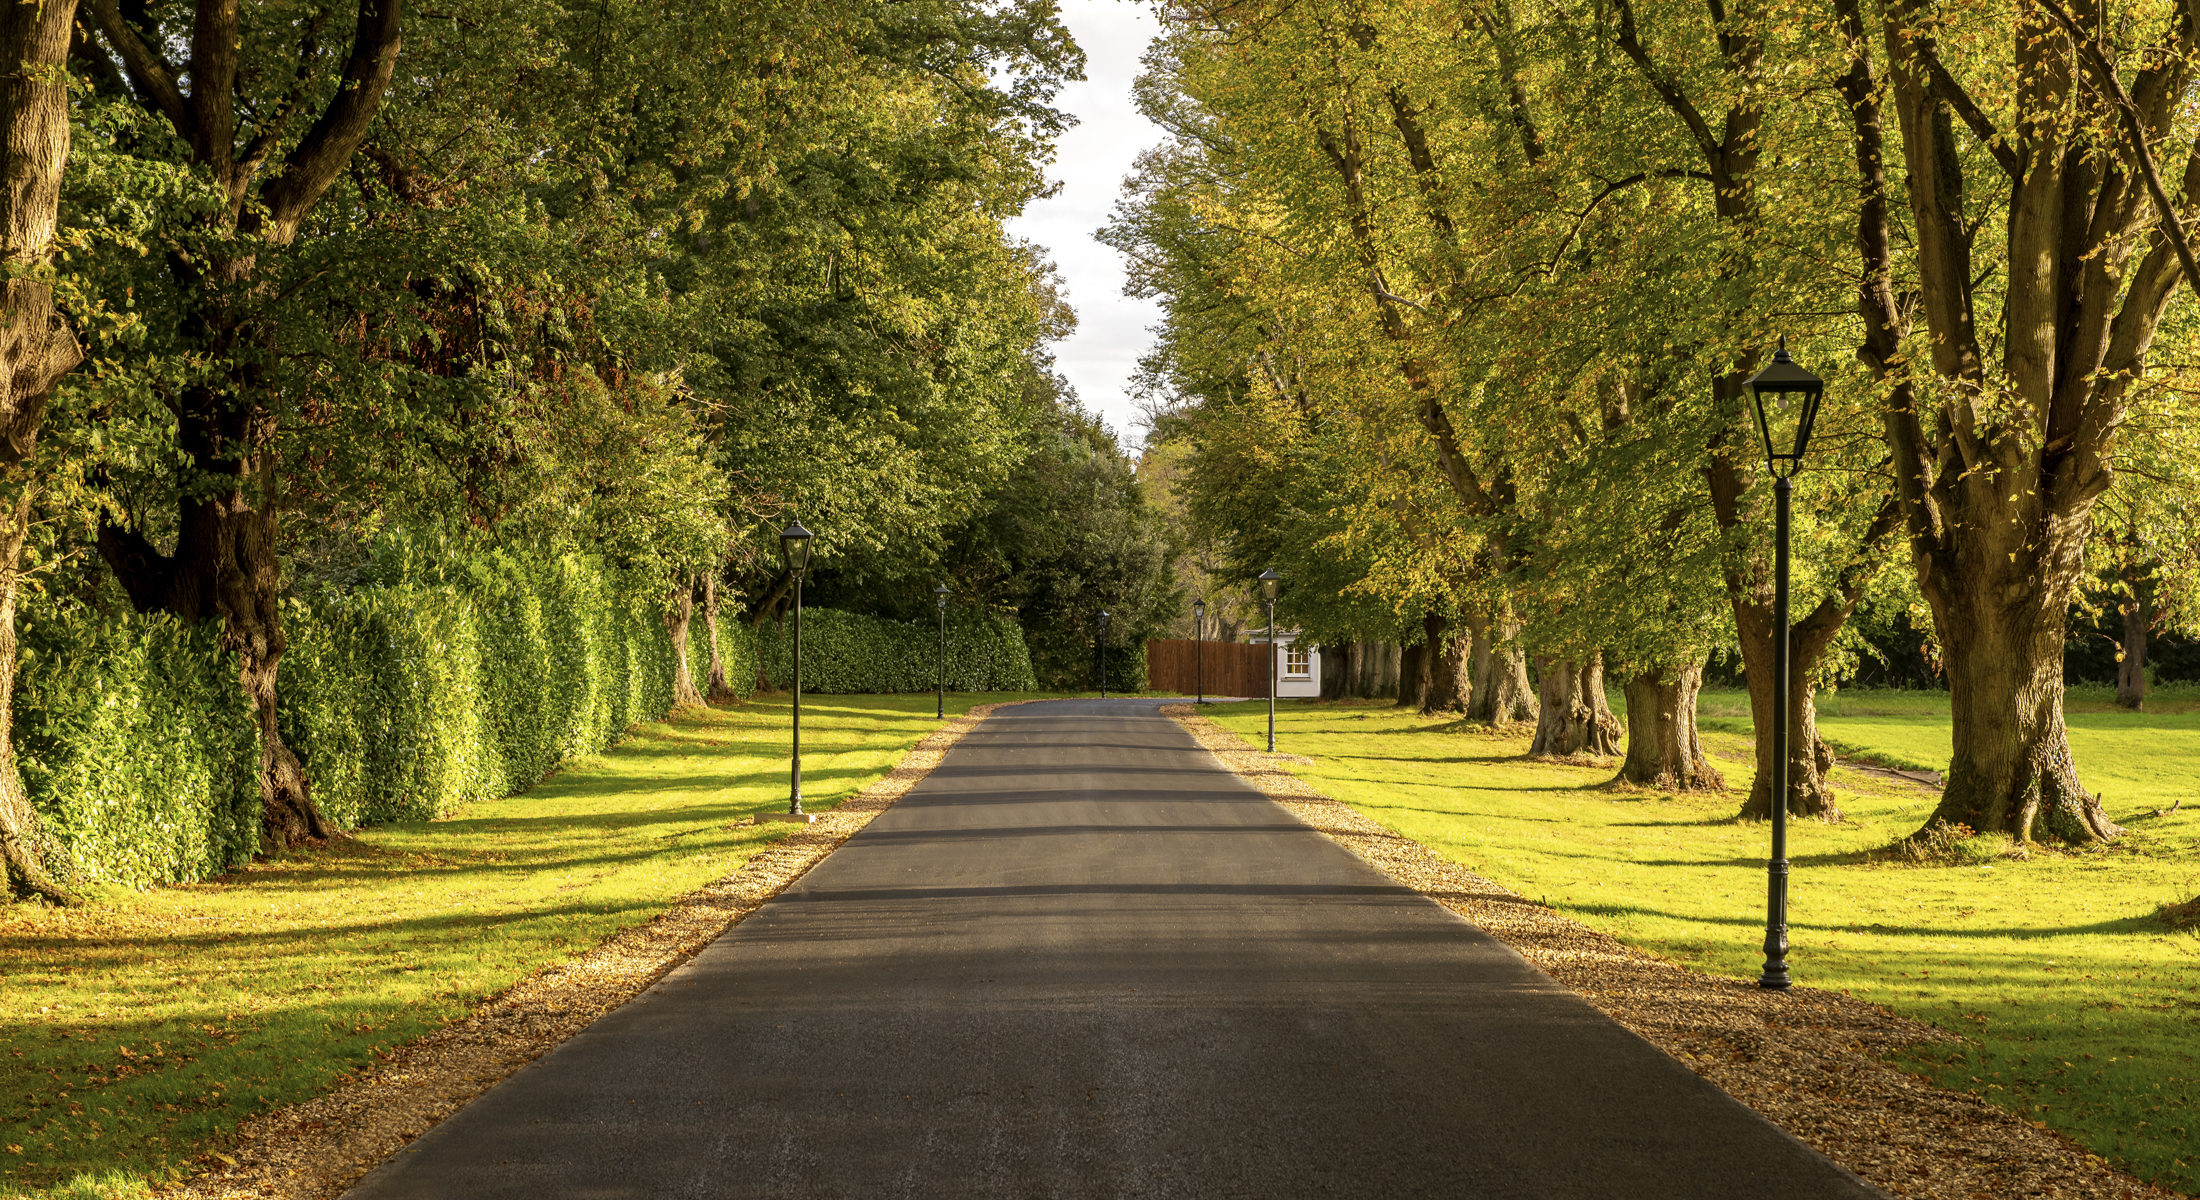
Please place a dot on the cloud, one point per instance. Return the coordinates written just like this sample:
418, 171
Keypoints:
1101, 356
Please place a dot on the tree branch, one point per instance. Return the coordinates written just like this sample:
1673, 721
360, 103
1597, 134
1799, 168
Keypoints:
154, 79
1948, 89
1667, 91
320, 156
270, 131
1630, 181
2104, 73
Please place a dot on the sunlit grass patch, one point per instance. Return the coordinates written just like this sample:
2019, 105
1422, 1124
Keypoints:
2082, 1004
136, 1033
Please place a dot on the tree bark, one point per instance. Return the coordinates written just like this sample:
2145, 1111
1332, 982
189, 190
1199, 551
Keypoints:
2012, 772
1663, 747
1337, 671
1809, 757
1447, 668
2131, 664
22, 841
717, 686
1573, 717
225, 562
1503, 693
37, 347
1379, 667
1413, 676
679, 612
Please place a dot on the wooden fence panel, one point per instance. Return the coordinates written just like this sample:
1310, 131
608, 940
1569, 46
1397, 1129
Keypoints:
1231, 668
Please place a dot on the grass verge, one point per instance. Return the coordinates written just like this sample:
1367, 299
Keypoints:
137, 1033
2081, 1005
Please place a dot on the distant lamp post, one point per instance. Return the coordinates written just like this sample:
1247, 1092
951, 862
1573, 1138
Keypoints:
1785, 427
1270, 582
939, 594
794, 550
1199, 646
1102, 643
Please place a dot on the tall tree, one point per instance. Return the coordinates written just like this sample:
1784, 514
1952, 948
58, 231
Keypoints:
2003, 440
37, 346
270, 120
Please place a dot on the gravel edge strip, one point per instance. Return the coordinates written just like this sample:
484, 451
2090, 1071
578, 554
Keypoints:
319, 1148
1808, 1060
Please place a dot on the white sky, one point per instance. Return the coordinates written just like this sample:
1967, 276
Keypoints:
1101, 356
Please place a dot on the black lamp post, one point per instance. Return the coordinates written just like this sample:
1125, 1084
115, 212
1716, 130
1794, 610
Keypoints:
1102, 643
794, 550
939, 594
1794, 394
1269, 583
1199, 645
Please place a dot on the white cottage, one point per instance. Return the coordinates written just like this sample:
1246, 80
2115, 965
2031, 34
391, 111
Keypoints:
1298, 664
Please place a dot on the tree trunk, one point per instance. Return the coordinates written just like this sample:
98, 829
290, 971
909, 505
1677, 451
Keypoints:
1338, 662
2131, 664
1810, 759
1447, 669
717, 687
1999, 462
2011, 771
1412, 676
1573, 715
1663, 748
1502, 693
1378, 670
37, 347
678, 613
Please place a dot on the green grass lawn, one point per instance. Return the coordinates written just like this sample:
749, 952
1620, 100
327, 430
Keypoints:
137, 1031
2082, 1007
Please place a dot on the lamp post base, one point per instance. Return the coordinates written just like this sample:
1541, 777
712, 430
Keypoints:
791, 818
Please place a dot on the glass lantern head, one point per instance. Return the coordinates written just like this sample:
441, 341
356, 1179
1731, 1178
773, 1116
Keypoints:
794, 547
1270, 584
1786, 398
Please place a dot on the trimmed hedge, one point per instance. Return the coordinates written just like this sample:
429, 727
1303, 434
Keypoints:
407, 701
403, 700
138, 748
136, 745
850, 653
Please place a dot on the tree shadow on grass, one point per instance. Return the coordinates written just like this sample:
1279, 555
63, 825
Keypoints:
2144, 923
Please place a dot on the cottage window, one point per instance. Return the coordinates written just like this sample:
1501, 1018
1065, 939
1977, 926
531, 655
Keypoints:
1296, 664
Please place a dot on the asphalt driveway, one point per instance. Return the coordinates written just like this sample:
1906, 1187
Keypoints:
1081, 959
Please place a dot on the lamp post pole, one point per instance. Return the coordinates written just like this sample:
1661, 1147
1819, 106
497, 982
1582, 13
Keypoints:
1776, 883
794, 799
940, 595
1199, 646
794, 549
1269, 583
1781, 381
1102, 644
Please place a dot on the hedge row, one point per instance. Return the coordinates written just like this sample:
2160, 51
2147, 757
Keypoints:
139, 751
136, 745
407, 701
404, 701
850, 653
